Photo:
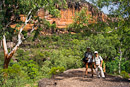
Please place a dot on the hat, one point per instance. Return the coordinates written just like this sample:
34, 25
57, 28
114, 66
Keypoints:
96, 52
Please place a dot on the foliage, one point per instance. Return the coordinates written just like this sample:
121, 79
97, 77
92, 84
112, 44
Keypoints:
16, 76
112, 66
120, 20
32, 69
10, 14
80, 21
125, 65
56, 70
46, 68
56, 53
122, 6
124, 74
67, 51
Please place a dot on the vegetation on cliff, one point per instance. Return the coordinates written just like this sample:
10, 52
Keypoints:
45, 56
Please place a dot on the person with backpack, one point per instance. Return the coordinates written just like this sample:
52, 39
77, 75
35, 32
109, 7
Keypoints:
88, 61
98, 64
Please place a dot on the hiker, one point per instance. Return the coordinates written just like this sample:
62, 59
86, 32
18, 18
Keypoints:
88, 60
98, 64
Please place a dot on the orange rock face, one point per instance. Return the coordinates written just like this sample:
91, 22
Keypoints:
66, 16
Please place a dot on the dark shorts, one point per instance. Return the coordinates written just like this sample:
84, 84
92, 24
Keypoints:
84, 60
89, 63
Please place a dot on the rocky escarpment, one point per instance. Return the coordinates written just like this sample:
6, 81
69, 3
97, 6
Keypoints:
66, 15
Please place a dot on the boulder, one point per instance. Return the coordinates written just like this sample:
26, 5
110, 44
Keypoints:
47, 83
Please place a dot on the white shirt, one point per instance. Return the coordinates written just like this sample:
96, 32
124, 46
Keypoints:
98, 60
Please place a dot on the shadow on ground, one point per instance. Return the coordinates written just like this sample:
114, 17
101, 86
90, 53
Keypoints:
116, 79
77, 75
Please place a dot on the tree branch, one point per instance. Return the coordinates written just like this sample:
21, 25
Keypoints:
32, 29
19, 36
30, 32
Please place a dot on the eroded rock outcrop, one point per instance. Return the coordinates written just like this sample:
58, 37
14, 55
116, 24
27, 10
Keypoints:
67, 14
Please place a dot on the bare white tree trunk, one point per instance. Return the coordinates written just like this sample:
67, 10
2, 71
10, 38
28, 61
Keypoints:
8, 56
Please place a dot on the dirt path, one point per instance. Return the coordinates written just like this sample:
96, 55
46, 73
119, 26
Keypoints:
75, 78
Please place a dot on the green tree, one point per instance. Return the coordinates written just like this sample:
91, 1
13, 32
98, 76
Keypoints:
120, 23
9, 14
80, 21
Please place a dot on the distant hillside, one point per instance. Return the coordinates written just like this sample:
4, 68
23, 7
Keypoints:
67, 15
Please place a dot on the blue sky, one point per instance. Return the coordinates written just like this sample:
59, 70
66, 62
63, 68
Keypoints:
105, 9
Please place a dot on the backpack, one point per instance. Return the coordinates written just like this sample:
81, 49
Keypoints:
84, 59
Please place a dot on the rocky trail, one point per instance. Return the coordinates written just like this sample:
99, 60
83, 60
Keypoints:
75, 78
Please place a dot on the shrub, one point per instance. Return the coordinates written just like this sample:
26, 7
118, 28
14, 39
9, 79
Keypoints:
124, 74
32, 69
14, 76
46, 68
56, 70
112, 67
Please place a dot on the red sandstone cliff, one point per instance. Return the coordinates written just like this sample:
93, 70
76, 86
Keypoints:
67, 15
